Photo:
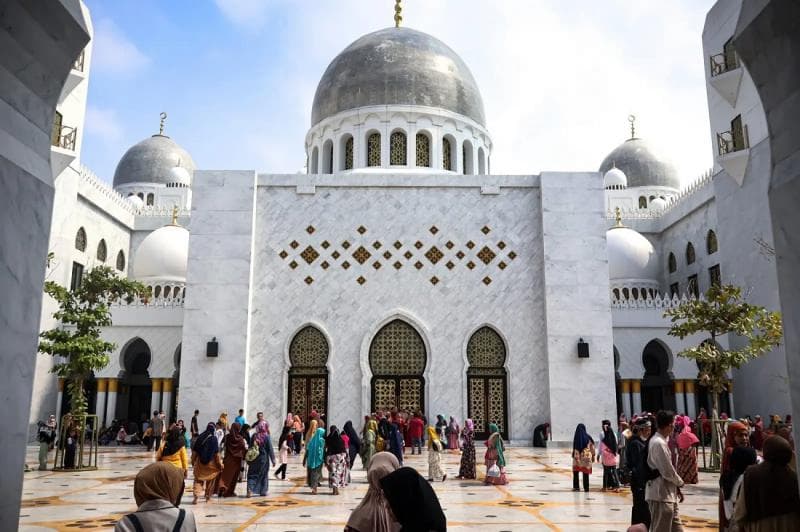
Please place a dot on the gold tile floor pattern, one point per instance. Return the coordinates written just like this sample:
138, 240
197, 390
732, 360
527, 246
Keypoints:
539, 497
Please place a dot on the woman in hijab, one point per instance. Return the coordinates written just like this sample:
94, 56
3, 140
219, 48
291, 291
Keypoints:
206, 463
355, 442
435, 449
395, 442
737, 435
413, 502
731, 481
314, 458
769, 498
495, 456
382, 443
582, 457
297, 434
441, 429
173, 450
467, 468
258, 469
609, 457
235, 448
158, 489
368, 444
540, 435
313, 425
336, 459
453, 431
372, 514
687, 443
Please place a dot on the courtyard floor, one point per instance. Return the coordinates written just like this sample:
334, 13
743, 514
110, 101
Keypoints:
538, 497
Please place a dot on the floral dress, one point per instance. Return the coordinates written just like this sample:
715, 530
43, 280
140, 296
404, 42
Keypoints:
338, 470
467, 469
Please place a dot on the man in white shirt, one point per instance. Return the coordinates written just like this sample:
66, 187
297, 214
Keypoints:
663, 493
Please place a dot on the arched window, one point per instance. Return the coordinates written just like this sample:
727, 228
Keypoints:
150, 198
447, 154
642, 202
466, 154
374, 149
423, 150
167, 291
486, 381
397, 149
157, 291
80, 240
327, 157
102, 251
308, 374
711, 242
141, 195
616, 293
315, 160
672, 263
121, 261
397, 358
690, 257
481, 161
347, 155
635, 293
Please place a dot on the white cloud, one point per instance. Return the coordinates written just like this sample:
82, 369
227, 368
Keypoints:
113, 53
104, 124
248, 14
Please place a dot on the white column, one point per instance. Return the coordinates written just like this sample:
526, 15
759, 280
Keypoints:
691, 405
680, 401
111, 407
626, 398
636, 392
155, 400
59, 401
100, 404
166, 400
730, 400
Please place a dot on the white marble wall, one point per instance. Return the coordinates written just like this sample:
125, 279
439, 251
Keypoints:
576, 296
218, 293
399, 208
40, 44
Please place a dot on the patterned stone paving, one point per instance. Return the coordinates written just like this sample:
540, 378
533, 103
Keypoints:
538, 497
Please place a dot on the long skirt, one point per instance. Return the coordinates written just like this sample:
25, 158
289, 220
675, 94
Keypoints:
258, 474
338, 475
367, 450
687, 465
226, 482
205, 477
435, 465
452, 441
467, 467
314, 476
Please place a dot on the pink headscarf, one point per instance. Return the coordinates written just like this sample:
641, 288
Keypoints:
262, 431
469, 425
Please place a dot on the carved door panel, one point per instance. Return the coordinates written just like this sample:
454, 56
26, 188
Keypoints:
404, 393
307, 393
487, 403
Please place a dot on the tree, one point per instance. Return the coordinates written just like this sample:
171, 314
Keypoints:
81, 314
724, 311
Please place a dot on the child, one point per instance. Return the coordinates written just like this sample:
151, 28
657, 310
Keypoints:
122, 435
283, 451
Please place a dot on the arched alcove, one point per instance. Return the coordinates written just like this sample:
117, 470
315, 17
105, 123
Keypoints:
308, 373
135, 391
397, 359
657, 391
487, 386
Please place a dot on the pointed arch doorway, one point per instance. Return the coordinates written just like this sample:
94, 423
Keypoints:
397, 358
308, 374
487, 398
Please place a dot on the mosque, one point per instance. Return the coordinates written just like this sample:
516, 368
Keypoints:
400, 272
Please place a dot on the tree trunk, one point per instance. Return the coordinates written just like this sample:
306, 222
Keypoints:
716, 447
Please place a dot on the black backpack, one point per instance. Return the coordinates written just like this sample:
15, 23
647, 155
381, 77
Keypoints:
649, 472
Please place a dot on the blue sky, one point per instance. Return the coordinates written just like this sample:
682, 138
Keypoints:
558, 78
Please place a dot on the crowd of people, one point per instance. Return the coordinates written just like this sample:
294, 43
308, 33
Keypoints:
657, 455
654, 454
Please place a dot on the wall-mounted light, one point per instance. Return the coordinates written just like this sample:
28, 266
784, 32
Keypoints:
583, 349
212, 348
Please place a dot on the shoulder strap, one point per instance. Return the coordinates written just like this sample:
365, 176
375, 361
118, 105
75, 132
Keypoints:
179, 522
135, 521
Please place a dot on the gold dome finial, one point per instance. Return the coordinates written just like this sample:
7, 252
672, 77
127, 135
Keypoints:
163, 116
174, 215
618, 217
632, 120
398, 17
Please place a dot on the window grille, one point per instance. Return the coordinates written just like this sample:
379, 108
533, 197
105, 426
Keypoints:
447, 154
121, 261
80, 240
690, 256
102, 251
397, 149
423, 150
711, 242
348, 154
374, 149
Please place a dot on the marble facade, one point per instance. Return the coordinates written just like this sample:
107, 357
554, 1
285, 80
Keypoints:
543, 285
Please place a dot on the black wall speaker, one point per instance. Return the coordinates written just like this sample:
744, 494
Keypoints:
212, 348
583, 349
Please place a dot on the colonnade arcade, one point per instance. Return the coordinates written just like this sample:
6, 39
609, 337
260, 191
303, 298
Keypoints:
658, 389
131, 396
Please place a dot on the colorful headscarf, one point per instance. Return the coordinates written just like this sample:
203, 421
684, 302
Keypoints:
496, 440
315, 449
262, 431
469, 425
312, 429
432, 436
581, 439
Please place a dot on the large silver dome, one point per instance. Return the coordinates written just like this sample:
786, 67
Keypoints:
152, 161
641, 166
397, 66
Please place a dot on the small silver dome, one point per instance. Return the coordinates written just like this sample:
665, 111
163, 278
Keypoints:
641, 166
152, 161
397, 66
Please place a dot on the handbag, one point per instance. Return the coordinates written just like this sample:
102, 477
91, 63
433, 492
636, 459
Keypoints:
437, 446
252, 453
380, 444
493, 471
